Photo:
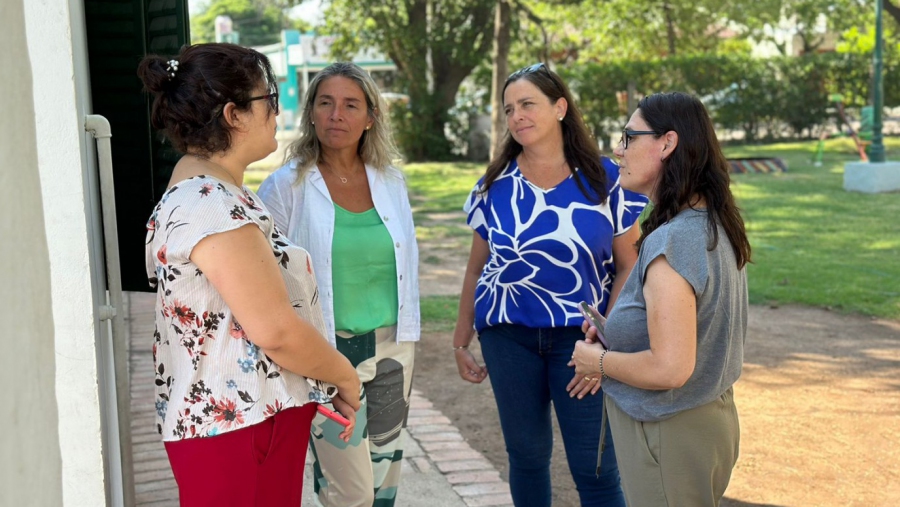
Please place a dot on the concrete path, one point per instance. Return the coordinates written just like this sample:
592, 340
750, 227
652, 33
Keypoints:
439, 468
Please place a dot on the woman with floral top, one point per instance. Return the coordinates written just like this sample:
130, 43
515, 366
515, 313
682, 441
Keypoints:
239, 330
552, 228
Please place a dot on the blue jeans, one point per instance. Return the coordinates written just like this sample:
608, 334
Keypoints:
528, 370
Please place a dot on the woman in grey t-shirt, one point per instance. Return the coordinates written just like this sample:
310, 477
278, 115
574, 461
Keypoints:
676, 334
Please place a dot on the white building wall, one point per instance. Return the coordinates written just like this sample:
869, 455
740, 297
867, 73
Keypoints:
30, 471
56, 45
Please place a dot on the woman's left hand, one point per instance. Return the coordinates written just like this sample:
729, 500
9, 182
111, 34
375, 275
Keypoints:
586, 360
581, 387
346, 410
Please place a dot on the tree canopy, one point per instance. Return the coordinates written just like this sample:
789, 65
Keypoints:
259, 21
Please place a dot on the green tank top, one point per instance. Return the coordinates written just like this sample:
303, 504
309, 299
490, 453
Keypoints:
364, 272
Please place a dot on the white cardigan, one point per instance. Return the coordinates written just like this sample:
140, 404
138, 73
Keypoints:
304, 212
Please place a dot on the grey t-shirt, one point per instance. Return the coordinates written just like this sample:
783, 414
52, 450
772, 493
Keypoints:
721, 290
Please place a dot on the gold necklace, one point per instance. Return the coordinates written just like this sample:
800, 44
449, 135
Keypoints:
331, 169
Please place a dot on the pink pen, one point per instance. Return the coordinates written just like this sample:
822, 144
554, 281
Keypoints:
334, 416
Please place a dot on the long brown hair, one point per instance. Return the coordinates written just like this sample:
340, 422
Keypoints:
579, 147
697, 167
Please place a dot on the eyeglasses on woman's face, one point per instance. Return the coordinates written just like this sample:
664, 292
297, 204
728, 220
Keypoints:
628, 134
271, 98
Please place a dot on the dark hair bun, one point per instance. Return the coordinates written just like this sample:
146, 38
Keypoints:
187, 106
154, 72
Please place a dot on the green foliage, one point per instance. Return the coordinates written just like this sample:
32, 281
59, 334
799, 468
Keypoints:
576, 31
804, 18
259, 22
766, 98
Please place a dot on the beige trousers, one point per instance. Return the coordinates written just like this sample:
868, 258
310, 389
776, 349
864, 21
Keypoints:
683, 461
365, 472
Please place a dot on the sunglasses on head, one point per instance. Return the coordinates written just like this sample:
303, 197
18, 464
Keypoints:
528, 70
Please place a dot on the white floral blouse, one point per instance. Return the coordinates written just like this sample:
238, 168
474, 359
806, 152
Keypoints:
210, 377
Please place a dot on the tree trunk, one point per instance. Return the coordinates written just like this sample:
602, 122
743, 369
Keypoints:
499, 74
891, 9
431, 63
670, 28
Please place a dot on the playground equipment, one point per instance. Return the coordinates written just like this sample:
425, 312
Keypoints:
757, 165
861, 138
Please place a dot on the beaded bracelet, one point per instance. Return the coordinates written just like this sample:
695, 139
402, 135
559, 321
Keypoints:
461, 347
603, 373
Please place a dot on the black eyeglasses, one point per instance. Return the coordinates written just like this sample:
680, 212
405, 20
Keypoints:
272, 98
628, 134
528, 70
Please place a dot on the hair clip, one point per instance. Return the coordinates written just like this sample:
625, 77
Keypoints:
172, 68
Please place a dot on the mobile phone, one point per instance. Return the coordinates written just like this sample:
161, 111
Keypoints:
596, 320
334, 416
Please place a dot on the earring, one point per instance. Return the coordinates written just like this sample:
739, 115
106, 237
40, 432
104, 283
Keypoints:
312, 123
560, 118
368, 127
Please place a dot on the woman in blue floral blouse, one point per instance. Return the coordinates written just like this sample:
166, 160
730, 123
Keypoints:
552, 228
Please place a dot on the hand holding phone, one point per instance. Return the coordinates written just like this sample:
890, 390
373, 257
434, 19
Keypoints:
598, 321
334, 416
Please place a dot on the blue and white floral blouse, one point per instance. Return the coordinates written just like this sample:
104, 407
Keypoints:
549, 249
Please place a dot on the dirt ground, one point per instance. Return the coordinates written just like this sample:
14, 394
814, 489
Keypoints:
819, 403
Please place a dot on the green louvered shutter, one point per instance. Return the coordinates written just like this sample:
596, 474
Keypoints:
119, 34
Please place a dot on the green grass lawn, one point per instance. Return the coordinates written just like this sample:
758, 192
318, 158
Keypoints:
813, 243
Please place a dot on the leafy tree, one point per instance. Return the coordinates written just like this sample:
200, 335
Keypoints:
259, 21
806, 18
597, 30
435, 45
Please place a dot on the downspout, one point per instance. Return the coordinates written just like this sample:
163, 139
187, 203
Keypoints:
99, 128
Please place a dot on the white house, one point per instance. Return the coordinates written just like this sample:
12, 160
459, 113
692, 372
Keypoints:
63, 61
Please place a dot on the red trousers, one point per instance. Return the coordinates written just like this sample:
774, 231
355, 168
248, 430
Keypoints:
260, 465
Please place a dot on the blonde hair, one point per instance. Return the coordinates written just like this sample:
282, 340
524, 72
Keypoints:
376, 146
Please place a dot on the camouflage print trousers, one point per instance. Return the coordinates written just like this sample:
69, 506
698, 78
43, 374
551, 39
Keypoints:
365, 472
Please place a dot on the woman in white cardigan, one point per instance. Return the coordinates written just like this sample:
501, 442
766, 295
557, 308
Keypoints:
340, 198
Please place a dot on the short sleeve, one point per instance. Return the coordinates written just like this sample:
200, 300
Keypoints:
476, 209
200, 208
626, 206
275, 191
685, 250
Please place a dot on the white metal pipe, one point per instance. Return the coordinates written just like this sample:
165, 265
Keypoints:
99, 128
